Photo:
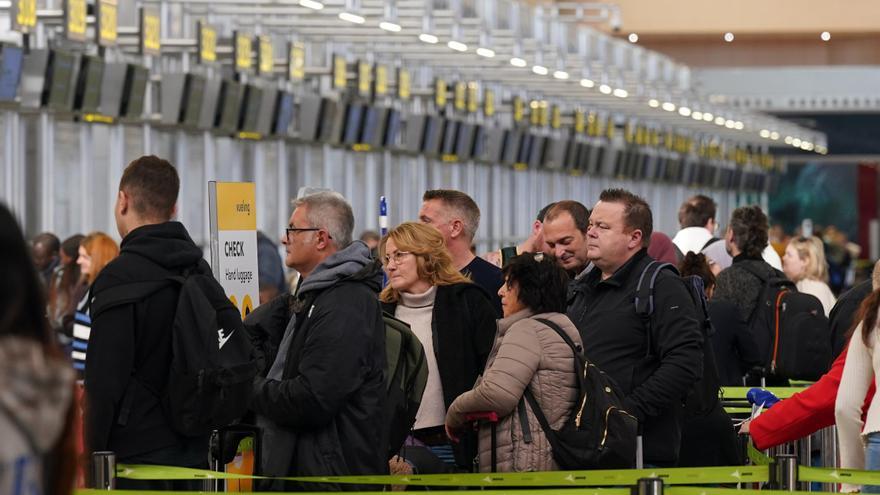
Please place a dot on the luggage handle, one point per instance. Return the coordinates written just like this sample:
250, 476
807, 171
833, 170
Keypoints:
490, 416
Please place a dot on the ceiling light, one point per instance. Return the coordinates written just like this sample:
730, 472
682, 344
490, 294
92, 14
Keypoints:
587, 83
485, 52
807, 146
774, 135
728, 37
708, 117
697, 115
719, 120
428, 38
605, 89
389, 26
796, 142
821, 150
621, 93
764, 133
653, 103
738, 125
457, 46
353, 18
540, 70
633, 38
561, 74
311, 4
684, 111
518, 62
825, 36
729, 124
788, 139
669, 106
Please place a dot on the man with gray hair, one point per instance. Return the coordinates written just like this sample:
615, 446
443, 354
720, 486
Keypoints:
456, 216
320, 404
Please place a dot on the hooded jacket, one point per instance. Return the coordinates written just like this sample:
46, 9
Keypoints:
527, 353
35, 396
324, 415
135, 339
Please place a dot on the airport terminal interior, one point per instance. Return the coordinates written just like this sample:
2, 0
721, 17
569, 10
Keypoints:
516, 103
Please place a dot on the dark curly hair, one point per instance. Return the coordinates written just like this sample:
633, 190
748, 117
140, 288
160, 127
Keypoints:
542, 283
749, 225
697, 264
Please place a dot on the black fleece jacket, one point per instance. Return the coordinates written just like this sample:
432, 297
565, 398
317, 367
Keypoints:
135, 339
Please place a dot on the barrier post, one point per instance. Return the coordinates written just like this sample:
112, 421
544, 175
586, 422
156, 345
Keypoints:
805, 454
784, 472
828, 440
649, 486
216, 450
104, 470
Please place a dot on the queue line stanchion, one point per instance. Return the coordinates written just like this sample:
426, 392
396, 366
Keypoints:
216, 450
828, 440
104, 470
805, 454
784, 472
649, 486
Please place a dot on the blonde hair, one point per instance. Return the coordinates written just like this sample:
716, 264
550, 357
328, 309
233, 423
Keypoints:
812, 251
433, 261
102, 249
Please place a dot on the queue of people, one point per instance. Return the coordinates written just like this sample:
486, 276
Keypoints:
320, 398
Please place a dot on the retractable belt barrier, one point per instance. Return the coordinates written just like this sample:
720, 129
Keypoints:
674, 490
739, 393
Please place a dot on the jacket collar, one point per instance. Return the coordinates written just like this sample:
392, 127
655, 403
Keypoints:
507, 322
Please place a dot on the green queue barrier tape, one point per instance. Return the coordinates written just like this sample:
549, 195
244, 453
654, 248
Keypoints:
568, 491
740, 392
831, 475
619, 477
757, 457
708, 490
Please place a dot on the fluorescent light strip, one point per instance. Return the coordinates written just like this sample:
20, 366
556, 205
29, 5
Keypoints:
518, 62
457, 46
390, 26
669, 106
540, 70
311, 4
621, 93
653, 103
605, 89
485, 52
561, 74
684, 111
587, 83
353, 18
428, 38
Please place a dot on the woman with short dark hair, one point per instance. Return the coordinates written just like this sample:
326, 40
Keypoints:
528, 353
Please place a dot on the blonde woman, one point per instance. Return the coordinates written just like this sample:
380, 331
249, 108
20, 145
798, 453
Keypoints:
804, 264
455, 323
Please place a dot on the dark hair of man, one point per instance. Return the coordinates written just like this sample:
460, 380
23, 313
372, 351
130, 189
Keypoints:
578, 212
50, 241
463, 205
541, 282
22, 302
152, 184
636, 212
749, 226
696, 211
697, 264
543, 213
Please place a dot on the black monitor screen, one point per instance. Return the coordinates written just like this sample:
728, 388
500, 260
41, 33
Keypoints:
414, 132
308, 117
536, 153
555, 153
450, 134
33, 78
266, 114
332, 121
512, 141
371, 131
111, 88
136, 79
208, 112
193, 93
230, 107
251, 108
88, 87
525, 148
354, 114
392, 128
10, 71
62, 69
464, 142
283, 114
433, 135
494, 145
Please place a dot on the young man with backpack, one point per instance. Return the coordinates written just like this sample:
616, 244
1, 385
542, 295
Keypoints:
321, 404
654, 356
130, 365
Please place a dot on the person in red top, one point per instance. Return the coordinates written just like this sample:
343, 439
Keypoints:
813, 409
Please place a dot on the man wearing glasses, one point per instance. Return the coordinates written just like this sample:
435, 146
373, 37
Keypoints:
320, 405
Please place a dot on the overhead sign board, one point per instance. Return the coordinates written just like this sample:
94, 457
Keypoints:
404, 84
243, 51
75, 19
296, 67
207, 43
107, 19
151, 31
266, 55
24, 15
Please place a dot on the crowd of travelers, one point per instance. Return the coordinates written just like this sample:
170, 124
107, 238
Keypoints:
501, 344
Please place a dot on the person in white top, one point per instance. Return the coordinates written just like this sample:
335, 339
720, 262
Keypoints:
804, 264
860, 440
696, 217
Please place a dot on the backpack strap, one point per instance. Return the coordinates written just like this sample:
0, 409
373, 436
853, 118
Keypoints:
711, 241
128, 293
644, 300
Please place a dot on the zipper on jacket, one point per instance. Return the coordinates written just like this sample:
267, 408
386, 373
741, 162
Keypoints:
776, 339
577, 418
607, 414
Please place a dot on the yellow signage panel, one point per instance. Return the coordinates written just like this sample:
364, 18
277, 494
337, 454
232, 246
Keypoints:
459, 96
544, 114
440, 96
580, 122
244, 51
236, 206
75, 20
267, 55
107, 22
381, 80
556, 117
151, 31
404, 84
364, 79
24, 15
489, 103
339, 72
473, 97
519, 109
297, 62
207, 43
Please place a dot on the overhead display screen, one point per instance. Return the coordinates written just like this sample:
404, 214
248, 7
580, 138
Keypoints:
309, 117
208, 112
193, 92
283, 114
112, 85
136, 79
251, 110
88, 88
62, 73
230, 106
11, 59
33, 78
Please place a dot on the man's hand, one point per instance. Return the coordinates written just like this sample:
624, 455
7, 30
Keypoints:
744, 428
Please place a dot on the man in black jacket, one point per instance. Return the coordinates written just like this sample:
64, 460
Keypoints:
127, 365
320, 404
655, 361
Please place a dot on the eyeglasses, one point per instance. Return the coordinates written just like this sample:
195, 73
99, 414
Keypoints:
397, 257
294, 230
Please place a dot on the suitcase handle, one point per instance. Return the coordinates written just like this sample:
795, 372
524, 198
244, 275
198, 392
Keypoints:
490, 416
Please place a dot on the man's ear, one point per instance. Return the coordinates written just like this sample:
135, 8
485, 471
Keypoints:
456, 227
122, 202
635, 239
173, 212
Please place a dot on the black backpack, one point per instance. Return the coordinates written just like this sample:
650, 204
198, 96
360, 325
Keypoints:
406, 374
599, 433
790, 328
213, 363
704, 396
